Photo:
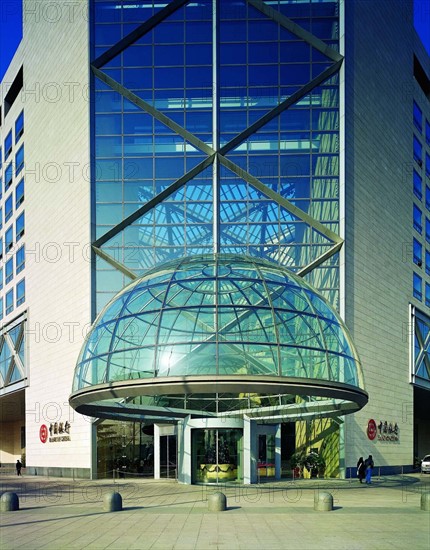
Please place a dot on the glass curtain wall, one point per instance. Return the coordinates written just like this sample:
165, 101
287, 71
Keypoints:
213, 68
215, 128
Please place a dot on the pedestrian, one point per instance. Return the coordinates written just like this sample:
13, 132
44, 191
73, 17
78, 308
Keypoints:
369, 467
361, 470
18, 467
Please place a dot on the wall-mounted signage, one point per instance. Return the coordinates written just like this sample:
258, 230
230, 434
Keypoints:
384, 431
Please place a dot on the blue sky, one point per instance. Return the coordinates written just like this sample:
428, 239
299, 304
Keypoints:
10, 31
11, 27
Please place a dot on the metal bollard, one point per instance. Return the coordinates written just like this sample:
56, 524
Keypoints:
425, 502
217, 502
323, 502
9, 502
112, 502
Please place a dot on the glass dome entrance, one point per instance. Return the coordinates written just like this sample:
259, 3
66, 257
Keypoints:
216, 334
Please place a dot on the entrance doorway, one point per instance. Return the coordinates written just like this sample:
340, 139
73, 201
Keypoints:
168, 456
216, 455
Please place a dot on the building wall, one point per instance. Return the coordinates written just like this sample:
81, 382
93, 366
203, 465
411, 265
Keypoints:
11, 442
378, 109
55, 96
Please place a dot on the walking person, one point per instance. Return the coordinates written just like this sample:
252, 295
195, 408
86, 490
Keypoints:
369, 467
361, 469
18, 467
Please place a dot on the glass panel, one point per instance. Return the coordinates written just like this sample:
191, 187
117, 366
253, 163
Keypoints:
216, 455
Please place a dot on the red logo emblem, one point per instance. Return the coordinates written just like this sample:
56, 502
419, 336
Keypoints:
43, 433
371, 429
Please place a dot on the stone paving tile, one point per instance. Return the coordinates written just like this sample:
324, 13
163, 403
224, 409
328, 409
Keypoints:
60, 514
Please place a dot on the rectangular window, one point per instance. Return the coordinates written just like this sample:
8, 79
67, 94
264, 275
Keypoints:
1, 308
8, 145
418, 117
1, 218
427, 262
427, 295
19, 194
8, 175
417, 290
1, 278
418, 185
19, 126
8, 208
427, 197
418, 253
19, 160
1, 157
20, 227
9, 270
427, 230
428, 133
9, 302
1, 187
427, 165
1, 248
417, 219
9, 239
20, 292
20, 260
418, 151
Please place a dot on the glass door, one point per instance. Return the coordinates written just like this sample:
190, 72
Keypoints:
217, 455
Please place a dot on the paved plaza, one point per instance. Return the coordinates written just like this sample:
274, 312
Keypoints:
61, 514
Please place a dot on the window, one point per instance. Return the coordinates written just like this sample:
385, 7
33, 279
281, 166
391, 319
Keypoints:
20, 292
19, 194
20, 227
417, 290
427, 230
1, 158
20, 259
19, 160
1, 187
418, 254
8, 175
427, 262
427, 295
417, 219
427, 197
418, 118
8, 208
418, 185
9, 239
418, 151
1, 248
1, 308
1, 218
428, 133
1, 278
19, 126
9, 302
427, 165
8, 145
9, 270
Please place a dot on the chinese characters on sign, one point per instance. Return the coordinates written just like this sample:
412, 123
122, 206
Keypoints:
384, 431
58, 431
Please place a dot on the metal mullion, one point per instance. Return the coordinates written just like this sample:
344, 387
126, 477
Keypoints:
285, 203
137, 33
154, 202
157, 114
270, 115
215, 128
292, 27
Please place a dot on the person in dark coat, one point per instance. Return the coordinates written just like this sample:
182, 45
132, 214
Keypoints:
18, 467
361, 469
369, 468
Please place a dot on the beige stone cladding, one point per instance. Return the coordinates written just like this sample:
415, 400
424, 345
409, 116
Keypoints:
58, 271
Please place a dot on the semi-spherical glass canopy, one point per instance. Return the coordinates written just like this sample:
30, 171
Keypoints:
213, 334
